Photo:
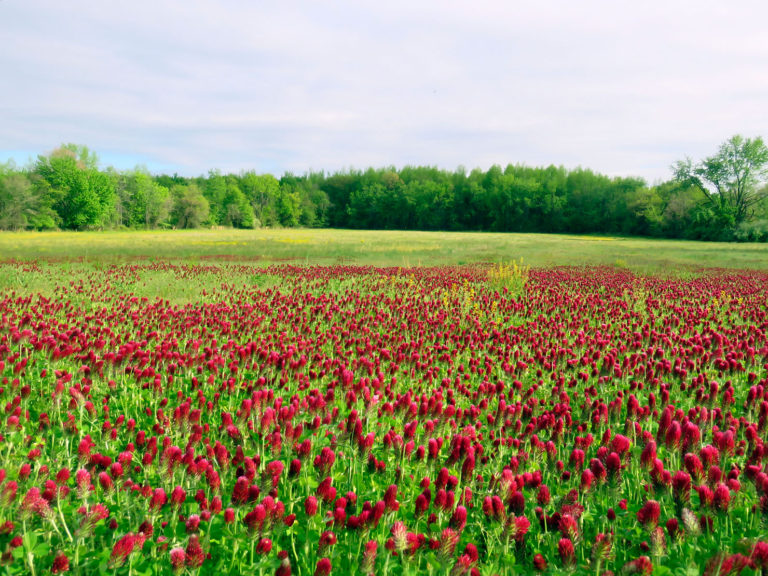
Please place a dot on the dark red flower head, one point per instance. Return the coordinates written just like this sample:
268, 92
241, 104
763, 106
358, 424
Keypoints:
60, 563
649, 514
641, 565
323, 567
566, 551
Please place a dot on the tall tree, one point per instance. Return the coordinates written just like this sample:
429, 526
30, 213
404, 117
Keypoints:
237, 211
262, 191
82, 196
338, 188
731, 180
21, 204
147, 203
215, 191
190, 208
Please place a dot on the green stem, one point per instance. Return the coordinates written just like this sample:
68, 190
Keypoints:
27, 546
295, 555
234, 555
63, 522
77, 554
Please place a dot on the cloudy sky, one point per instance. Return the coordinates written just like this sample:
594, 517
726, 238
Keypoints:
624, 88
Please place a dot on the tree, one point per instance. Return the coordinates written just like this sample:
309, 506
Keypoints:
16, 202
679, 204
190, 208
730, 180
81, 195
24, 202
588, 202
147, 203
237, 211
262, 191
215, 189
362, 208
644, 212
338, 189
288, 207
314, 208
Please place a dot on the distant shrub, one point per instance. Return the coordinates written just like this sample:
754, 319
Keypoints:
756, 231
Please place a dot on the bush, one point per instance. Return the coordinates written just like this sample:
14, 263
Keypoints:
756, 231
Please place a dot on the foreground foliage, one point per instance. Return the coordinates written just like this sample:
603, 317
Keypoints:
385, 421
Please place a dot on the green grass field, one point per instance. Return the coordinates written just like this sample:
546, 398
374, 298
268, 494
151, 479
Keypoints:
377, 248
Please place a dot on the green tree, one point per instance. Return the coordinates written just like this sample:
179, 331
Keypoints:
315, 203
588, 195
730, 180
468, 199
288, 207
288, 201
314, 208
553, 188
190, 207
81, 195
643, 212
261, 190
86, 158
679, 202
394, 203
338, 189
362, 209
15, 201
215, 191
756, 230
146, 203
432, 204
21, 206
170, 181
237, 211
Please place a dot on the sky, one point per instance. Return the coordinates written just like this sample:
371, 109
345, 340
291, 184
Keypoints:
186, 86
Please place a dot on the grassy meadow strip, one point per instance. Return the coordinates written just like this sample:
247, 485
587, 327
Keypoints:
378, 248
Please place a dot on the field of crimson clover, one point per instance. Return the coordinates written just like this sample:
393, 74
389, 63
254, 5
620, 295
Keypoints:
321, 420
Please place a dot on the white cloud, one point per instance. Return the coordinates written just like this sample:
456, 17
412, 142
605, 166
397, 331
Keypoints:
620, 87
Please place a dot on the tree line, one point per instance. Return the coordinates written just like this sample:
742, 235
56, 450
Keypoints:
723, 197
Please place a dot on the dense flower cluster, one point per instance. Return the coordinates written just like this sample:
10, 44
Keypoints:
349, 419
